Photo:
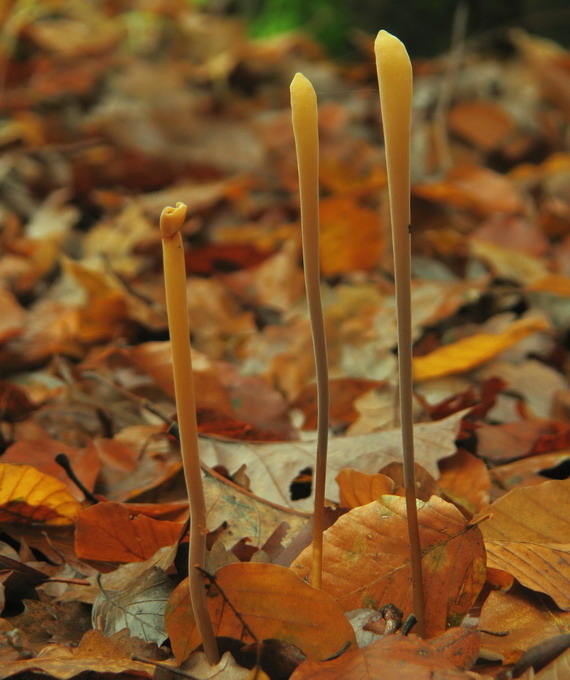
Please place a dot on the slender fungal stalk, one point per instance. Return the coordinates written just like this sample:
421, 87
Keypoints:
171, 222
305, 128
395, 84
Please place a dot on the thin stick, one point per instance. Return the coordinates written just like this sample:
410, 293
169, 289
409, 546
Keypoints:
395, 83
305, 128
171, 222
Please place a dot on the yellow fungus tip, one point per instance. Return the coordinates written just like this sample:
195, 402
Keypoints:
301, 86
172, 219
387, 43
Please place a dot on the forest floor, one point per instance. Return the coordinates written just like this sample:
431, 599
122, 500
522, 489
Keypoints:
107, 117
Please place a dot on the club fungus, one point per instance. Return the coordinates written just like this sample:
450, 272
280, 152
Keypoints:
305, 128
395, 85
171, 222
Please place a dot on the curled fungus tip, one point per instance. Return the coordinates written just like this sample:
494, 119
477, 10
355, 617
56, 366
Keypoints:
172, 219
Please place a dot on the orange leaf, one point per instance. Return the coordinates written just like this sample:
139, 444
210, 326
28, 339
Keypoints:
359, 488
468, 353
527, 536
366, 559
459, 645
527, 618
272, 601
481, 122
391, 658
465, 479
111, 532
475, 188
30, 497
351, 237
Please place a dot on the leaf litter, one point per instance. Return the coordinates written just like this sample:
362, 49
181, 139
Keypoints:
104, 127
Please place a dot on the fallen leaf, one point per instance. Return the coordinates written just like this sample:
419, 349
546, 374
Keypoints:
526, 618
392, 658
111, 532
465, 480
459, 645
473, 188
343, 394
557, 670
272, 467
468, 353
139, 607
366, 560
527, 536
31, 497
481, 122
359, 488
342, 247
41, 454
529, 471
272, 601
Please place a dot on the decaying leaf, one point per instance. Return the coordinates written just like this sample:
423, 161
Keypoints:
272, 467
139, 607
265, 601
366, 560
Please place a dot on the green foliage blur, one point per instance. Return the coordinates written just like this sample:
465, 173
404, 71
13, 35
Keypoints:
424, 25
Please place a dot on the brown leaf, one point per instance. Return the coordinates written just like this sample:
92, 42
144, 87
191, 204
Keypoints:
272, 601
391, 658
523, 620
527, 536
41, 454
459, 645
343, 393
474, 188
111, 532
465, 479
366, 560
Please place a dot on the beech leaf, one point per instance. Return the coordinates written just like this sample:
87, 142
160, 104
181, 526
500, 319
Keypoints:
528, 537
392, 658
366, 560
273, 603
32, 497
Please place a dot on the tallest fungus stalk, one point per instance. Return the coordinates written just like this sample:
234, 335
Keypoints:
395, 83
171, 222
305, 128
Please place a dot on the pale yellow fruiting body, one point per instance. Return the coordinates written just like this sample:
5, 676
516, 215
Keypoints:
395, 85
171, 222
304, 115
